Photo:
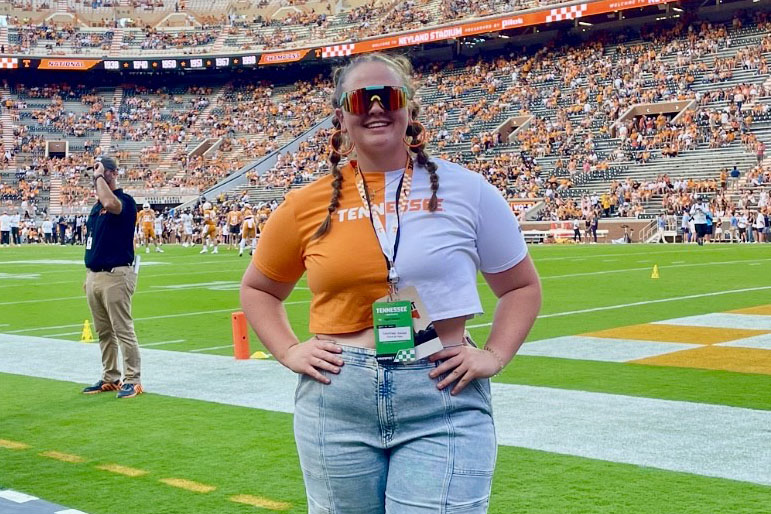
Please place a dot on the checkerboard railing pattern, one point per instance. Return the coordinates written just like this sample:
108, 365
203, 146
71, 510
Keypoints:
337, 50
8, 63
566, 13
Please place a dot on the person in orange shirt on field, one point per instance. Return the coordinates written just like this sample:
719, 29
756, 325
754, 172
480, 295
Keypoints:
209, 237
146, 219
248, 231
234, 219
393, 408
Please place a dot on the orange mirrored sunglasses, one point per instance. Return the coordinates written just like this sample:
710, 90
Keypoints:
359, 101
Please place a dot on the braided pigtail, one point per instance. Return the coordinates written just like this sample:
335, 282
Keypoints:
416, 131
337, 183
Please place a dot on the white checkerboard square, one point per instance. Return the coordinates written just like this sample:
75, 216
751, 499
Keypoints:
566, 13
9, 63
337, 50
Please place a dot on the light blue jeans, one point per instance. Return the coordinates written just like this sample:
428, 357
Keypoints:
382, 438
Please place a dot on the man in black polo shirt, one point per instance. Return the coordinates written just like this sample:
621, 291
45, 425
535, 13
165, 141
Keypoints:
111, 280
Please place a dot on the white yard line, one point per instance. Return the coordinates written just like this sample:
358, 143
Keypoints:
150, 257
62, 334
83, 297
211, 348
637, 304
663, 434
625, 270
147, 318
163, 342
542, 316
45, 300
543, 277
141, 276
676, 249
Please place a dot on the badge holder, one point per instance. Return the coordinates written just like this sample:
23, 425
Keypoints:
403, 332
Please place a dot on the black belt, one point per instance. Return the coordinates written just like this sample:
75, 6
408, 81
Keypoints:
108, 270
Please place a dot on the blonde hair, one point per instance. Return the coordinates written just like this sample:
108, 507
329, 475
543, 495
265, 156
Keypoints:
403, 68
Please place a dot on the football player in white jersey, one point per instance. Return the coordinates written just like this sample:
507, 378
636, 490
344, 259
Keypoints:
158, 232
187, 228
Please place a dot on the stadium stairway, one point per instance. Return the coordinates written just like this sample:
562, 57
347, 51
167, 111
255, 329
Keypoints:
7, 122
236, 184
4, 38
168, 163
219, 43
117, 42
55, 196
106, 140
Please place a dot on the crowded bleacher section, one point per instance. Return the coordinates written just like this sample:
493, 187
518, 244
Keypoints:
657, 121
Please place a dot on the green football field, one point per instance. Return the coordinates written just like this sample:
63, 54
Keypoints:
158, 453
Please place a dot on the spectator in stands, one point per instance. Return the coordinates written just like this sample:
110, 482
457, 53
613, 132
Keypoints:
376, 117
576, 231
661, 226
48, 230
699, 215
15, 227
735, 174
759, 227
5, 228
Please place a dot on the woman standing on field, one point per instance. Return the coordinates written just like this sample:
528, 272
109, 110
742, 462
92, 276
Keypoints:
392, 414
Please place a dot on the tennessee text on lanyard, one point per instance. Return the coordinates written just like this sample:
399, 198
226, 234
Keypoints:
402, 194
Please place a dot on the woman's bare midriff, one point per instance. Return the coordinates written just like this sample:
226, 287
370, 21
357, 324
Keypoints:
450, 332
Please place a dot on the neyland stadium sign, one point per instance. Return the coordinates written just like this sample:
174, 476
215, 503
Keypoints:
530, 17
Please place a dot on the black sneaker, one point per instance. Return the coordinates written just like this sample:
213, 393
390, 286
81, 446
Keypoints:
102, 386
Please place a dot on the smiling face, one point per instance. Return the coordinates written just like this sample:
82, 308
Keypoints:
378, 134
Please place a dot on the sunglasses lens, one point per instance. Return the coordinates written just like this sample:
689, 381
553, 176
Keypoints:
359, 101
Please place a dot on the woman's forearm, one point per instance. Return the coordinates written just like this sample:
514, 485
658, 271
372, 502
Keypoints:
514, 317
267, 316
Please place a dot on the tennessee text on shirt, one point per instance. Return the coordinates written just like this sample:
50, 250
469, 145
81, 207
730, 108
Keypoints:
414, 205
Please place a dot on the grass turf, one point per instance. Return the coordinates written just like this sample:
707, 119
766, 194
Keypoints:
247, 451
242, 451
189, 297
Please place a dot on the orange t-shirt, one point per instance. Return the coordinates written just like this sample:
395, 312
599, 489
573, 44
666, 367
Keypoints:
472, 229
346, 268
234, 218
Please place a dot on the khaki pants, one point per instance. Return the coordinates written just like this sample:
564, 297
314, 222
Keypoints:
109, 297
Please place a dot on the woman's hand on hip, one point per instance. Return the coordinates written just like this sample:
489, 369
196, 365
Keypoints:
463, 364
313, 356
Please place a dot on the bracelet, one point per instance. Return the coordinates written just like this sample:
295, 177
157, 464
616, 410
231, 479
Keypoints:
99, 177
497, 357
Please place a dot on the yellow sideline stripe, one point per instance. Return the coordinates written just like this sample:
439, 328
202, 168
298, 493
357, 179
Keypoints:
189, 485
763, 310
724, 358
13, 445
677, 333
64, 457
122, 470
258, 501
